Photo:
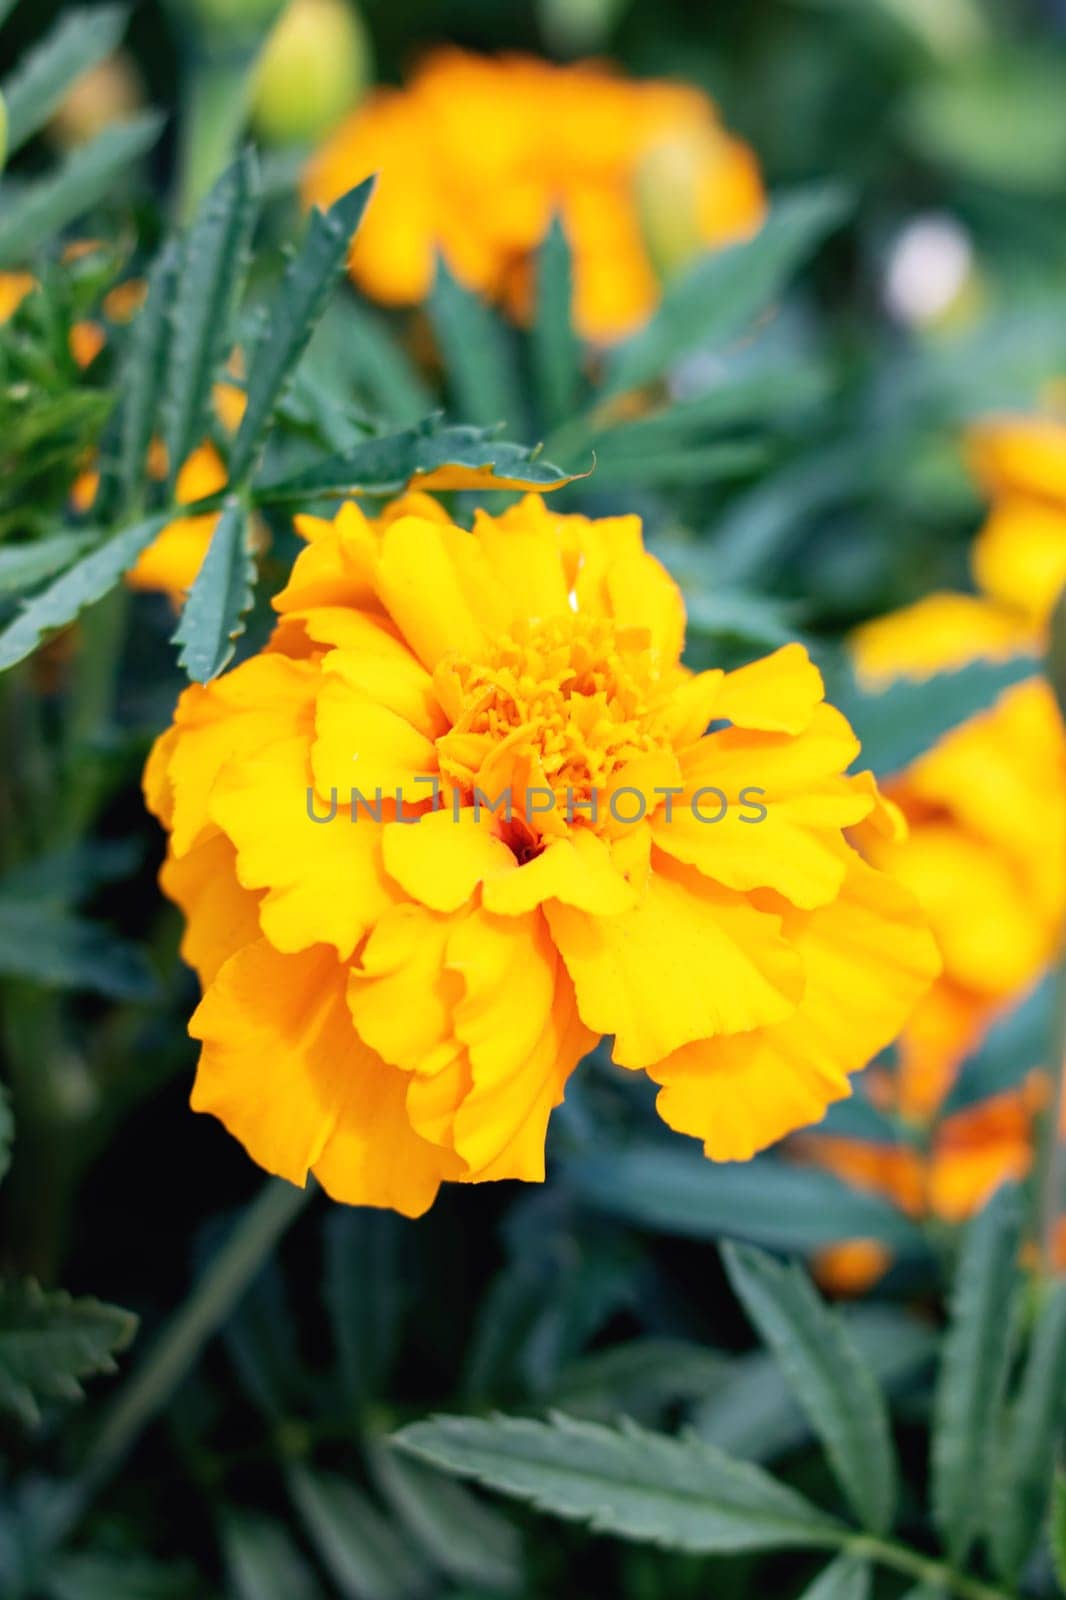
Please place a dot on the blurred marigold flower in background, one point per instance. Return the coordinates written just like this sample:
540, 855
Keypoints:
1020, 553
477, 154
985, 854
390, 1003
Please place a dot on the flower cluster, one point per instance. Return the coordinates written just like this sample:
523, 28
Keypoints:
390, 1006
476, 155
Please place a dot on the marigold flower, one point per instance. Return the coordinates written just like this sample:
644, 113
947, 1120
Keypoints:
1020, 552
394, 1002
477, 155
985, 854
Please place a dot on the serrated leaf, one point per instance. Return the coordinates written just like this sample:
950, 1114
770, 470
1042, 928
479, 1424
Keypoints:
724, 291
1057, 1528
43, 208
367, 1290
466, 1539
50, 1342
24, 565
214, 260
7, 1131
47, 945
428, 456
81, 38
898, 724
1012, 1046
262, 1561
844, 1579
124, 454
212, 618
765, 1201
293, 315
79, 586
973, 1368
1023, 1467
681, 1494
478, 354
828, 1376
554, 346
359, 1548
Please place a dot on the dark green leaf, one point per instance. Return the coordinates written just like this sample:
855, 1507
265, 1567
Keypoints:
88, 580
47, 945
24, 565
898, 724
366, 1291
1014, 1045
293, 314
101, 1575
214, 260
263, 1562
639, 1379
681, 1494
828, 1376
1024, 1465
720, 296
44, 207
354, 348
973, 1369
844, 1579
467, 457
555, 347
469, 1541
81, 38
7, 1130
141, 381
688, 464
478, 355
359, 1548
212, 618
49, 1342
1057, 1527
766, 1201
260, 1340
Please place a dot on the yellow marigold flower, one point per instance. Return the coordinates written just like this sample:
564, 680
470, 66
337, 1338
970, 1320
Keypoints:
399, 999
985, 855
14, 287
477, 154
1020, 553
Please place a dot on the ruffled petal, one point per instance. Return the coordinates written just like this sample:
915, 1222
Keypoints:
778, 693
221, 917
578, 870
440, 859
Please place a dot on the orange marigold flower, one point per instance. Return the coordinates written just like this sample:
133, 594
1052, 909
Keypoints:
477, 155
1020, 553
399, 999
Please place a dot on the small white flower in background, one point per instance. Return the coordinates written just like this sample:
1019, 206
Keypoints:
929, 266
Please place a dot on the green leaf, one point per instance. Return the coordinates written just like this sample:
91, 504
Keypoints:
554, 346
354, 350
973, 1369
1023, 1467
141, 377
898, 724
24, 565
260, 1339
366, 1288
1014, 1045
844, 1579
82, 37
49, 1343
478, 355
214, 261
754, 1414
639, 1379
724, 291
427, 456
469, 1541
617, 467
44, 207
79, 586
212, 618
101, 1575
359, 1548
295, 310
1057, 1527
7, 1131
766, 1201
681, 1494
262, 1561
828, 1376
48, 945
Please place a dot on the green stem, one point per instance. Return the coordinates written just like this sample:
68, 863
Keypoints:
178, 1345
923, 1569
1050, 1163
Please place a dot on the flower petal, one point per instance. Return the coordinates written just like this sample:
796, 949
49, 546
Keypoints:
221, 917
577, 870
778, 693
440, 859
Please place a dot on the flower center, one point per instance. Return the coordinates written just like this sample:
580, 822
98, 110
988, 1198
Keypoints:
561, 704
